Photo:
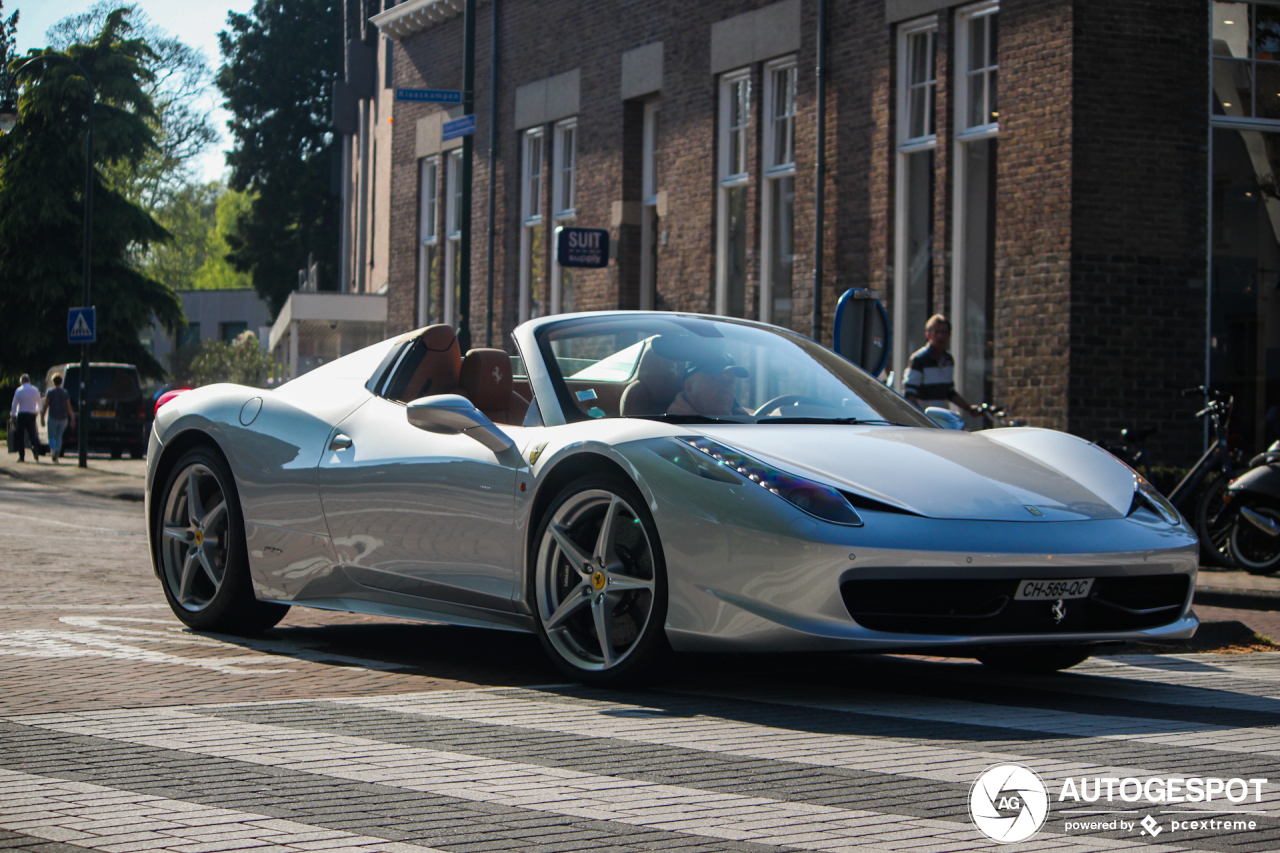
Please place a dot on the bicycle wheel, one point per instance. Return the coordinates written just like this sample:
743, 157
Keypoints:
1213, 523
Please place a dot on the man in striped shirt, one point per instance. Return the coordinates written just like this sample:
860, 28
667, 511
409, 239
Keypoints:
931, 376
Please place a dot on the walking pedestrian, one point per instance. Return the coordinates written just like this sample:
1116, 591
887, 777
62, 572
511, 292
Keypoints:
26, 403
57, 406
931, 376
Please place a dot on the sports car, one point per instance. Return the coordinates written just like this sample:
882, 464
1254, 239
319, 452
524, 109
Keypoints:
631, 484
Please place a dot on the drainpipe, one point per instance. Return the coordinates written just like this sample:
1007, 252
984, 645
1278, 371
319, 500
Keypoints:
493, 167
820, 170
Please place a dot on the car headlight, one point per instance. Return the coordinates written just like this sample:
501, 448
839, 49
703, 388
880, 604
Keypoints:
813, 498
1147, 495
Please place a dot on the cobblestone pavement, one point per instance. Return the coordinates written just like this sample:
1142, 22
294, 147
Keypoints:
122, 732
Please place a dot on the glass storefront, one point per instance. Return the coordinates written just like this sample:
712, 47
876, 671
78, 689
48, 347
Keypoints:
1244, 216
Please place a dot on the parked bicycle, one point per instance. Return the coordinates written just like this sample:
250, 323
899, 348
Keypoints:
1199, 496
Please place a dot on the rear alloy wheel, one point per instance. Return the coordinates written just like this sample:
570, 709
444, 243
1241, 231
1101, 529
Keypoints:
1034, 660
1214, 519
1254, 548
199, 541
599, 584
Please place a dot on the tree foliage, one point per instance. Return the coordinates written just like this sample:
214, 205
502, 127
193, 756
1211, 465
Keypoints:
200, 217
242, 361
42, 206
178, 85
280, 63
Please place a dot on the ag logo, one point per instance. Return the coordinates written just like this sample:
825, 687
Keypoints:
1008, 803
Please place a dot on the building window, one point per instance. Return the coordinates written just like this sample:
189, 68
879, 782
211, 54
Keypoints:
734, 179
1246, 61
453, 237
914, 189
428, 211
976, 157
563, 194
649, 222
228, 332
779, 200
533, 296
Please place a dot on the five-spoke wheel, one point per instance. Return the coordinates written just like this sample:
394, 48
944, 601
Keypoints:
600, 584
198, 540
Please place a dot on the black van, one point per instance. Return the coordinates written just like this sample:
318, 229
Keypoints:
118, 413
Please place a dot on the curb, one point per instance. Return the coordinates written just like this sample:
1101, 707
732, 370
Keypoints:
1238, 599
137, 496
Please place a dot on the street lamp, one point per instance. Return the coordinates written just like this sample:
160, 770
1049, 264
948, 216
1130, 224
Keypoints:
8, 121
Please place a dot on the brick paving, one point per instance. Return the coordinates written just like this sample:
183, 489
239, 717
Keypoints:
123, 732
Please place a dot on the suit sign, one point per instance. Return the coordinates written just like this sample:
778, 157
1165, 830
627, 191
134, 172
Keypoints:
582, 247
82, 326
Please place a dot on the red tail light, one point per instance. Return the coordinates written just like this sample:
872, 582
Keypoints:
169, 395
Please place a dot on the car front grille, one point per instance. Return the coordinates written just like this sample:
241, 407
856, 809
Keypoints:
985, 607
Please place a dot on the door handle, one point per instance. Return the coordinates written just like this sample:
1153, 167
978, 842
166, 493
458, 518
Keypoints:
340, 442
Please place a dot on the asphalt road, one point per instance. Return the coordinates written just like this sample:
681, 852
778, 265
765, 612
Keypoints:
120, 731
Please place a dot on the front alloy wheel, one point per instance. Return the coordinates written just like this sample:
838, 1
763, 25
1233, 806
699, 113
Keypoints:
198, 540
194, 543
599, 585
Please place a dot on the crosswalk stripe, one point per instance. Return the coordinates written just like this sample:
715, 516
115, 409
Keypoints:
99, 818
672, 808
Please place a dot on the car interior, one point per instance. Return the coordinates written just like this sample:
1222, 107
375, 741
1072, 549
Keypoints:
433, 363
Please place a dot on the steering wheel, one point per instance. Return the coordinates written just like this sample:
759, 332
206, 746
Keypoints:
792, 400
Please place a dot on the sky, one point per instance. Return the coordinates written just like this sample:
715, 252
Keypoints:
195, 22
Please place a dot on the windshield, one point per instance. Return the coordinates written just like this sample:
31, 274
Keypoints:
693, 369
105, 383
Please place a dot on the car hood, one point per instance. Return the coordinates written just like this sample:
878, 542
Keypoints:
1031, 475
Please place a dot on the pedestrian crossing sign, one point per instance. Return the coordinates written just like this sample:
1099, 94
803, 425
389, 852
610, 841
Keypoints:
82, 326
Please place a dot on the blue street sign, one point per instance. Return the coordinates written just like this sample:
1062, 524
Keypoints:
582, 247
82, 326
430, 96
463, 126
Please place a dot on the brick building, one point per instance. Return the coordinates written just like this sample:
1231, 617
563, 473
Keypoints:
1039, 170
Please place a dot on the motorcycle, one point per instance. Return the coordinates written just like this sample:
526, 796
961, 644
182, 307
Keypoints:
1254, 498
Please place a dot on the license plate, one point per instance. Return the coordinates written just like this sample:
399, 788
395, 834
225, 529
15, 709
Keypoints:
104, 414
1052, 590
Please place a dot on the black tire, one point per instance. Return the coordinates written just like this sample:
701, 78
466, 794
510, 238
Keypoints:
556, 584
137, 453
117, 452
1253, 550
1214, 522
1034, 660
190, 575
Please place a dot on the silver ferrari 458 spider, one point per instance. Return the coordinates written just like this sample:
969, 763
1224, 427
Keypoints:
633, 483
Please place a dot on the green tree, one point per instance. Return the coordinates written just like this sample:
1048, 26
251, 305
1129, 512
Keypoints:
217, 273
42, 208
242, 361
280, 63
200, 216
178, 85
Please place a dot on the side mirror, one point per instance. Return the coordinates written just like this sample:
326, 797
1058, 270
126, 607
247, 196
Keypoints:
944, 418
862, 330
450, 414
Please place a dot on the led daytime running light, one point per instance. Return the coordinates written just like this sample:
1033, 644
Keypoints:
813, 498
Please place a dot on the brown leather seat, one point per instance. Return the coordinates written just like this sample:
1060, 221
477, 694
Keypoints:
485, 380
437, 372
658, 381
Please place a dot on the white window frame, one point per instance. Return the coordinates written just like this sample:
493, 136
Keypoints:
649, 213
963, 72
959, 221
564, 160
773, 170
907, 145
452, 233
729, 179
428, 226
531, 200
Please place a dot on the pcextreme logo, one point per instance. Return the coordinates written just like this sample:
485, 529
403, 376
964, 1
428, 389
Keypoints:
1008, 803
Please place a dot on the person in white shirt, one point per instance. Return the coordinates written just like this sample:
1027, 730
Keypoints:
26, 405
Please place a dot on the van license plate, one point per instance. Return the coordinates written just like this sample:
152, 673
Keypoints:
103, 414
1043, 590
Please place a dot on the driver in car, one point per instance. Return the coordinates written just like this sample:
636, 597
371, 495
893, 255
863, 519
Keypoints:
708, 387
